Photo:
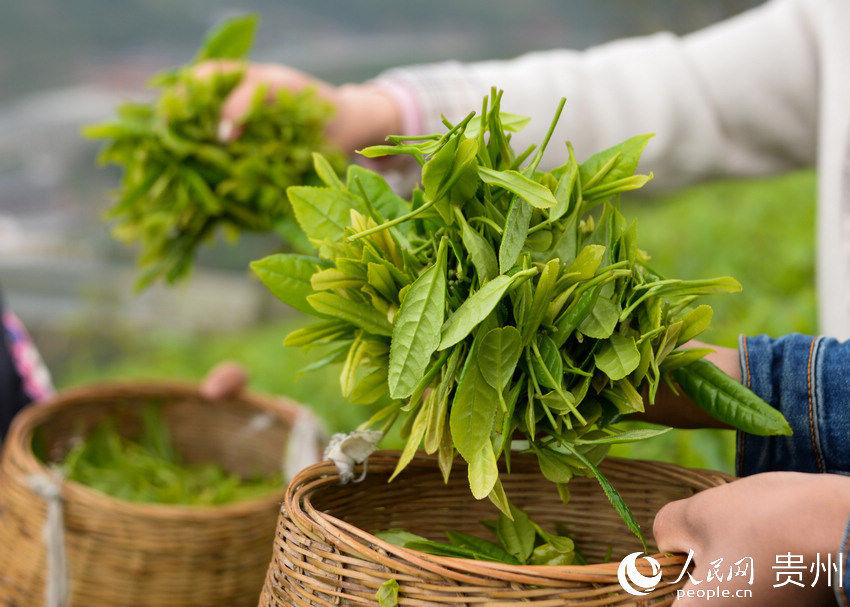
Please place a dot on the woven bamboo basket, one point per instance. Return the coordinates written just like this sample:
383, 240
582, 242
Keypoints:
120, 553
325, 554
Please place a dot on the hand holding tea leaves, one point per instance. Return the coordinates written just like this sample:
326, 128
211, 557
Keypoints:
181, 183
501, 302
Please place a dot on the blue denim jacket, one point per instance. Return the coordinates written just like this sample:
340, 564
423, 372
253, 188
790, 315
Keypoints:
808, 379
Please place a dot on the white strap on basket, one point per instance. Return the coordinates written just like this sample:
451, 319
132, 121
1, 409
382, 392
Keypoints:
306, 438
348, 450
49, 488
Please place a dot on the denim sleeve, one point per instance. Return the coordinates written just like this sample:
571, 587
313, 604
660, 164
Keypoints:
808, 380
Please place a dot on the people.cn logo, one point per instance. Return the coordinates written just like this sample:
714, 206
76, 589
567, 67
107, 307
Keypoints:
632, 580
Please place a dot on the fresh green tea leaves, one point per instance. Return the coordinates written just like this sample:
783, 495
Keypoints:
149, 468
477, 308
387, 595
538, 196
288, 276
322, 212
416, 331
496, 304
356, 313
232, 39
498, 356
728, 401
181, 185
517, 535
617, 357
473, 411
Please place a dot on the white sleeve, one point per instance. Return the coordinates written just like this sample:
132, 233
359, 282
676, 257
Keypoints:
737, 98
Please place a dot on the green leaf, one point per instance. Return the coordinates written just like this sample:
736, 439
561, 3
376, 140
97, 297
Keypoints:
510, 122
318, 332
417, 433
549, 369
388, 203
617, 357
517, 535
602, 320
554, 466
477, 307
326, 172
533, 193
615, 498
491, 550
356, 313
399, 537
695, 322
288, 276
498, 356
416, 330
479, 249
514, 234
379, 151
483, 472
473, 411
729, 401
629, 436
453, 164
322, 212
230, 40
371, 388
617, 162
684, 357
387, 595
586, 262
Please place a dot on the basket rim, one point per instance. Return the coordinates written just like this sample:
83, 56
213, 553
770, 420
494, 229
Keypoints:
18, 445
308, 518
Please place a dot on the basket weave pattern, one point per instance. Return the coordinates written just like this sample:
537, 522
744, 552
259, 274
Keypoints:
325, 554
133, 554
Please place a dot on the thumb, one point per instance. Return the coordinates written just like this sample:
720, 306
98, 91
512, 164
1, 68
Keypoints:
233, 110
225, 380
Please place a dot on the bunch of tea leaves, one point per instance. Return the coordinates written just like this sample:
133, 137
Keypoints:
500, 300
180, 183
149, 468
519, 541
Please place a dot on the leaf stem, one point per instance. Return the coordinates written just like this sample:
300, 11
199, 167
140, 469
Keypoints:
392, 222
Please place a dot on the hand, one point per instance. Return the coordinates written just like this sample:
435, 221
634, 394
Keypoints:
364, 115
225, 380
680, 411
761, 516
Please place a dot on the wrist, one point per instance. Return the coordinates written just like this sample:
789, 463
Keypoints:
828, 509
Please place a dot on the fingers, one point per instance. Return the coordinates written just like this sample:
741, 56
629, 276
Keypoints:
234, 109
208, 68
225, 380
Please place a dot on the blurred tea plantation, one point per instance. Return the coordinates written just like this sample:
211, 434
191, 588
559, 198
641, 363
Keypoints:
761, 232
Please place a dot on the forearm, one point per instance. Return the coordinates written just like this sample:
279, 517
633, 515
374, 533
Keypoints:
715, 98
676, 409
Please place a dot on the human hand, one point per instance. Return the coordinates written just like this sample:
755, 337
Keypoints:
760, 516
225, 380
364, 114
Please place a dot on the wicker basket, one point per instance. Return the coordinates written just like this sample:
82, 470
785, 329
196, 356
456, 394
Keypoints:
325, 554
131, 554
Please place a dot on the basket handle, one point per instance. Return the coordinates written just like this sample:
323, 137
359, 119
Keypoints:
307, 436
49, 487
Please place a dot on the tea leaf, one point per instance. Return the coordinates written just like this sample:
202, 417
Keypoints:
416, 330
288, 276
